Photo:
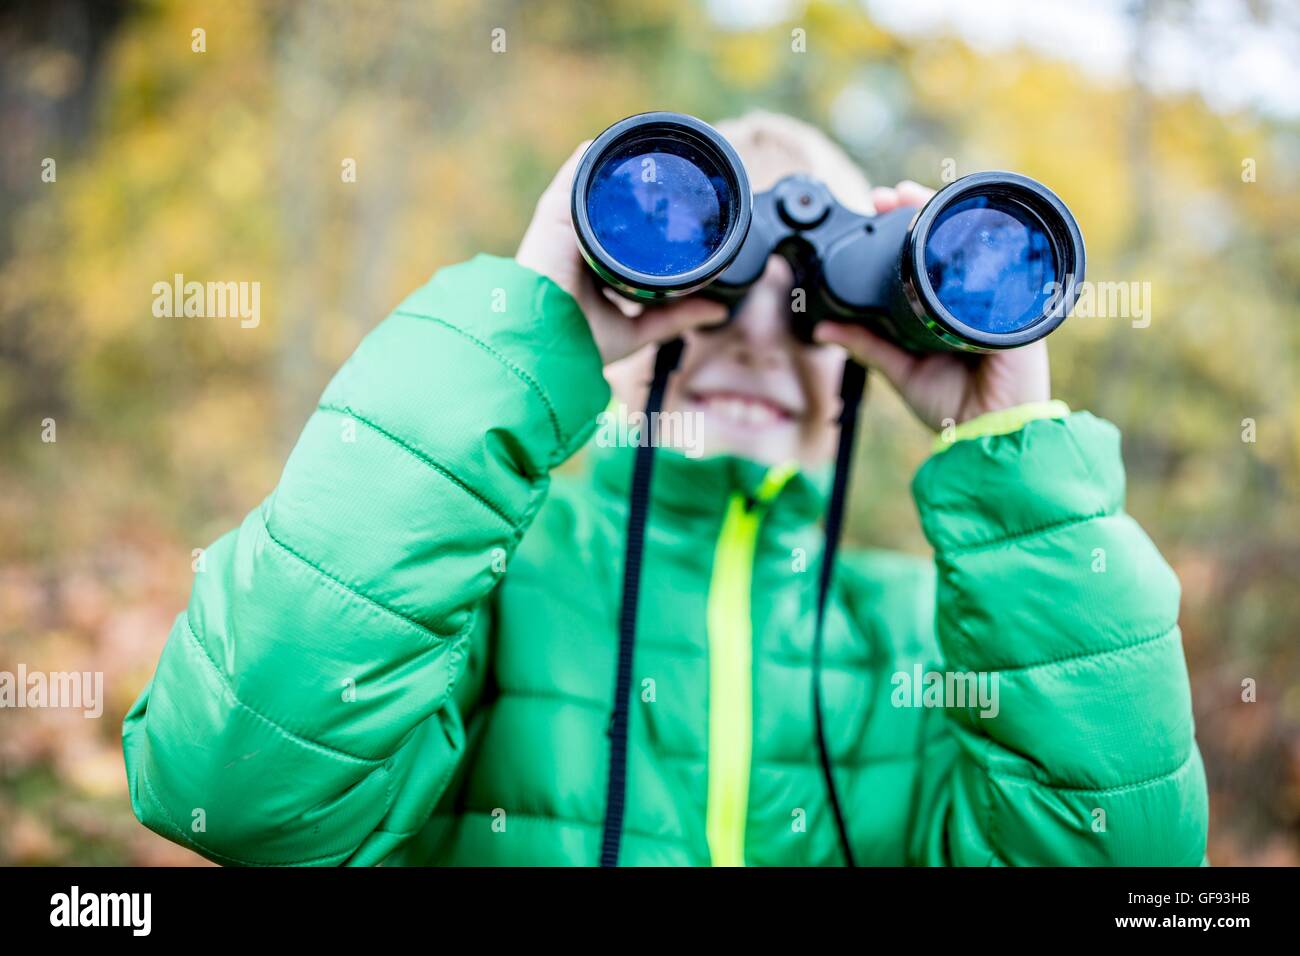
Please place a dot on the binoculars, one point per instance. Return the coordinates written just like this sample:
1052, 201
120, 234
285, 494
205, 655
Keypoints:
662, 208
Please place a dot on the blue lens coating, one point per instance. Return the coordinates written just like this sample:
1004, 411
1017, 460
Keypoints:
991, 263
660, 207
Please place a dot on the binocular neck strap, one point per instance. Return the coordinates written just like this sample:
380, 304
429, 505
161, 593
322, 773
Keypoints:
666, 359
851, 389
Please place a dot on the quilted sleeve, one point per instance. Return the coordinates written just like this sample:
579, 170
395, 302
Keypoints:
1056, 598
302, 710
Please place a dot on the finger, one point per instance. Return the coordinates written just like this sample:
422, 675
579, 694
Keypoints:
564, 176
555, 199
884, 198
664, 322
912, 193
624, 305
601, 304
867, 348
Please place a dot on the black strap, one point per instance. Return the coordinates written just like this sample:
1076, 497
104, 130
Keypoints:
851, 389
666, 360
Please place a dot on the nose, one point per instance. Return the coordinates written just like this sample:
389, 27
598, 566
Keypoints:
761, 329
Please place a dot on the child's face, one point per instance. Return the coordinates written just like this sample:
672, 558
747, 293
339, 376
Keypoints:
759, 393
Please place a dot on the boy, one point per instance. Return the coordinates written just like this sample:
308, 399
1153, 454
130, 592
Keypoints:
406, 654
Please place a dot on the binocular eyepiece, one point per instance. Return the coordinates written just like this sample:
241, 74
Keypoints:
662, 208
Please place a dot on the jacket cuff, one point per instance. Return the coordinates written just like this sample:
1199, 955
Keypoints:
994, 488
1003, 421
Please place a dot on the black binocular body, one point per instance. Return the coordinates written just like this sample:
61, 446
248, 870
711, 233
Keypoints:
662, 208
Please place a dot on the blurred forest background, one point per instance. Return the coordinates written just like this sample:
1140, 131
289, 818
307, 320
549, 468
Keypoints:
226, 164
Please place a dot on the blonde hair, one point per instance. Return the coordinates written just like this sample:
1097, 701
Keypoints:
773, 145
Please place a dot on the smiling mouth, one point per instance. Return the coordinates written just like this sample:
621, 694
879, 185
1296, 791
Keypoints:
752, 411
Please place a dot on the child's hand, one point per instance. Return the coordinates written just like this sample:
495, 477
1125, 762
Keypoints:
944, 385
619, 326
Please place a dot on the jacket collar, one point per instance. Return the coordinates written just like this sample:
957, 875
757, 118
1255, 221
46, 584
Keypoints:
702, 487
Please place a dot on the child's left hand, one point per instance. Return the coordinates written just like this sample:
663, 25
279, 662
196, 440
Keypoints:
944, 385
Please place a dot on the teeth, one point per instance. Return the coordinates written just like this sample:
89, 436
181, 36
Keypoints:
742, 411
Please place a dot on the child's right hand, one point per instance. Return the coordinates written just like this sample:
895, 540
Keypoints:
619, 326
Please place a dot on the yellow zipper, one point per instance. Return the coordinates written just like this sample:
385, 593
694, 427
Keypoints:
731, 675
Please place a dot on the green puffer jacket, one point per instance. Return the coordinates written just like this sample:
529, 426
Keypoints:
406, 654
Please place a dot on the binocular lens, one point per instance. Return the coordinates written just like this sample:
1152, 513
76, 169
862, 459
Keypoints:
661, 208
661, 203
991, 262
